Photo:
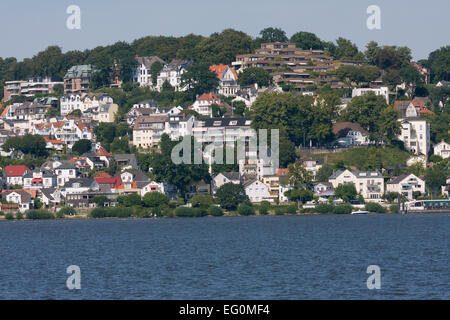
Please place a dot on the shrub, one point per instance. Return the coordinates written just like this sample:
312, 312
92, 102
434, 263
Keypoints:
2, 213
200, 212
375, 207
292, 209
202, 200
246, 210
109, 212
264, 207
324, 208
68, 211
39, 214
59, 214
215, 211
19, 216
343, 209
155, 199
9, 216
184, 212
393, 208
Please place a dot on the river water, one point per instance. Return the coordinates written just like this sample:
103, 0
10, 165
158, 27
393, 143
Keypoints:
265, 257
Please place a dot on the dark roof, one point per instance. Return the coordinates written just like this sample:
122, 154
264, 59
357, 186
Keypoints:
232, 175
84, 182
340, 129
223, 122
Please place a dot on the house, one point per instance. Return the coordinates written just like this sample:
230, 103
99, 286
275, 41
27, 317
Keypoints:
443, 83
13, 174
228, 79
152, 186
172, 74
446, 188
39, 179
406, 108
142, 74
313, 166
148, 130
132, 181
179, 125
273, 184
417, 159
442, 149
323, 190
20, 197
50, 197
54, 144
106, 113
108, 184
382, 91
203, 104
415, 135
198, 187
406, 185
126, 161
224, 177
369, 184
77, 186
65, 171
222, 129
257, 191
78, 78
353, 134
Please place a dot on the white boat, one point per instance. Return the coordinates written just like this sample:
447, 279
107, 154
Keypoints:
360, 212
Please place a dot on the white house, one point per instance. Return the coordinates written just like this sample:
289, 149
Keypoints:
228, 79
21, 197
203, 104
141, 74
225, 177
382, 91
442, 149
406, 185
172, 74
257, 191
415, 135
64, 171
13, 174
369, 184
38, 179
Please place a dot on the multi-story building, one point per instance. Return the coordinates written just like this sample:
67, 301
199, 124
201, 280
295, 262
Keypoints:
141, 74
147, 130
78, 78
290, 65
415, 135
172, 74
406, 185
203, 104
30, 87
382, 91
369, 184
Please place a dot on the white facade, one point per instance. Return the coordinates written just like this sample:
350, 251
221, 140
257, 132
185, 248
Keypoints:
369, 184
415, 135
257, 191
406, 185
382, 91
442, 149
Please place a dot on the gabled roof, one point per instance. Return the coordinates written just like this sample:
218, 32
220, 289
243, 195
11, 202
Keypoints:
231, 175
341, 129
220, 69
15, 170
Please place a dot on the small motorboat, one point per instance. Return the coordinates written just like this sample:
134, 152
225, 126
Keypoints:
360, 212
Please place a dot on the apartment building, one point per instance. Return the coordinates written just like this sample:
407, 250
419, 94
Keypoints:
77, 79
369, 184
30, 87
147, 130
382, 91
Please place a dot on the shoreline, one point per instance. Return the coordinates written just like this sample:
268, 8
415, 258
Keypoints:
87, 217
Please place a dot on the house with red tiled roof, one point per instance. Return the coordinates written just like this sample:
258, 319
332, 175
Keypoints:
203, 104
228, 79
13, 175
417, 104
53, 144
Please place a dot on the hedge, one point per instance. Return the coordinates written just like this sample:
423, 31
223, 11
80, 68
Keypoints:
39, 214
246, 210
375, 207
215, 211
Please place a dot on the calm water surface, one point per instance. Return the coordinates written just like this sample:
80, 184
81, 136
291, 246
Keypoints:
298, 257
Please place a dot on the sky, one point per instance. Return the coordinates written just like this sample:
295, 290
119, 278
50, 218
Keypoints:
29, 26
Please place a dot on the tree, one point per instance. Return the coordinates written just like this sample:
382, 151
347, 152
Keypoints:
272, 35
155, 199
346, 192
299, 195
82, 146
307, 40
199, 79
202, 200
230, 195
155, 69
435, 177
439, 64
132, 199
299, 177
324, 173
371, 52
100, 200
347, 50
28, 144
254, 75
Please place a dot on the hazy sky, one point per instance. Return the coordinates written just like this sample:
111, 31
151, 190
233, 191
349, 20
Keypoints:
28, 26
